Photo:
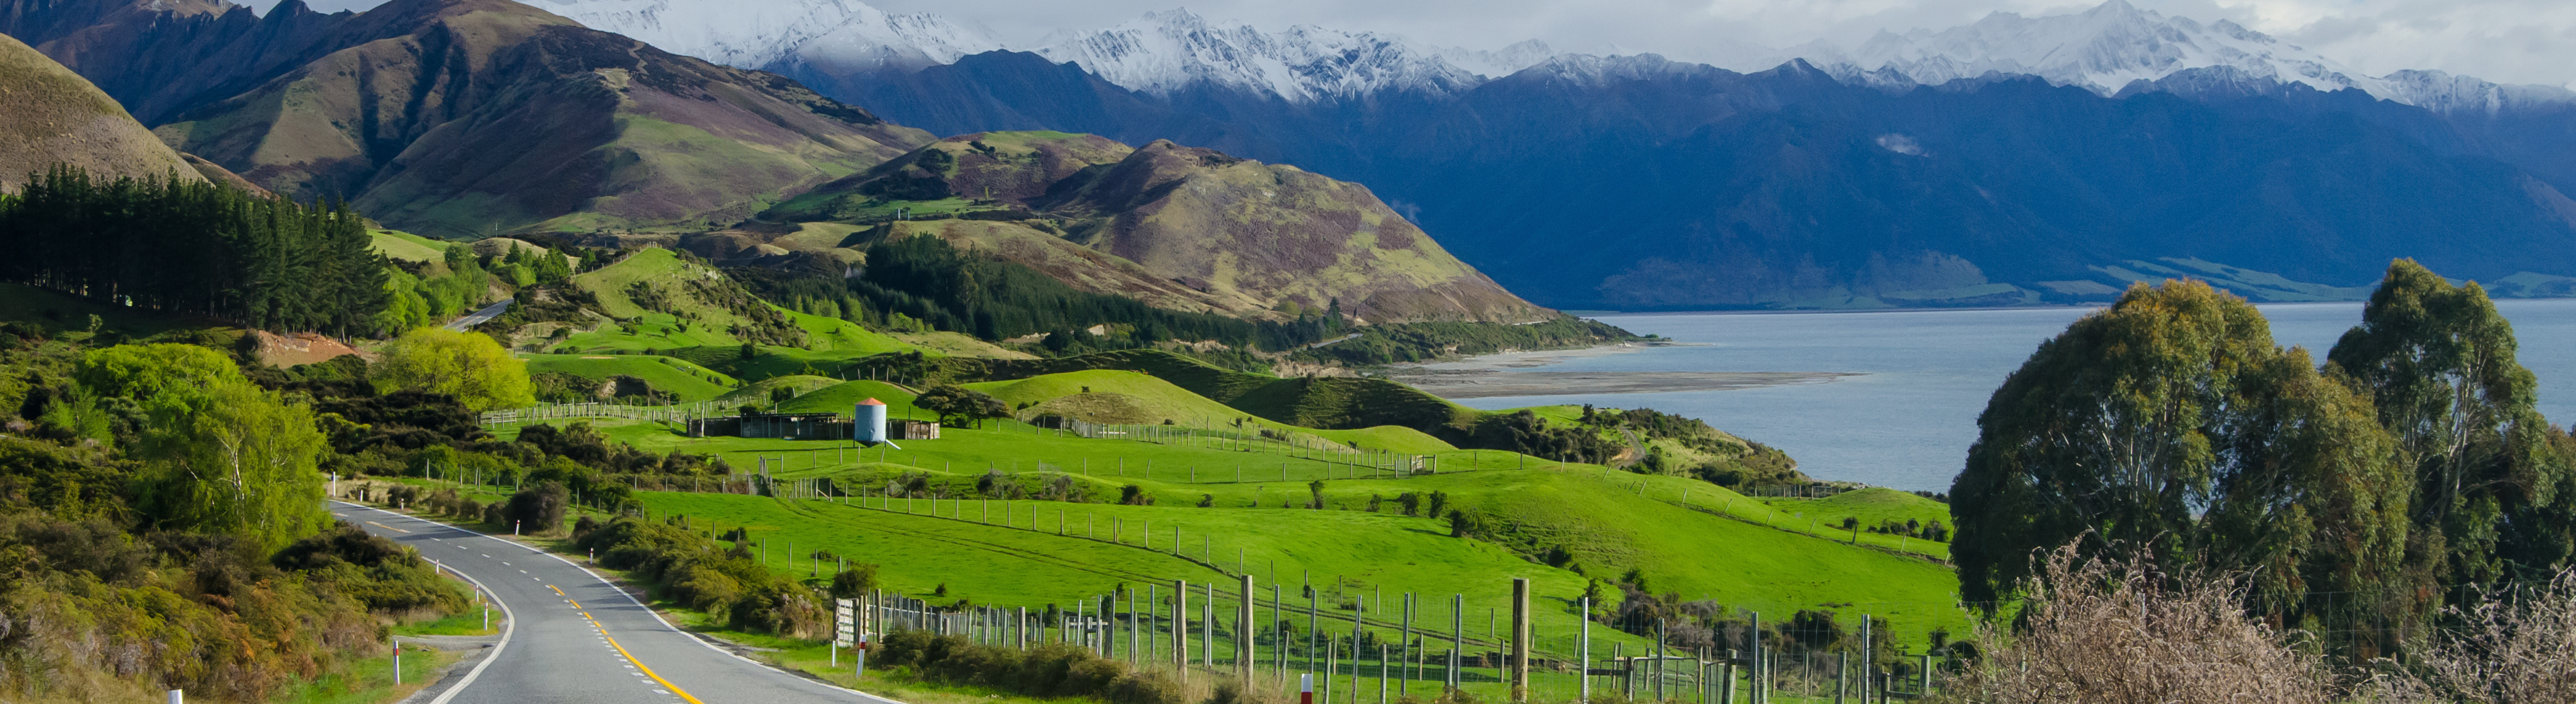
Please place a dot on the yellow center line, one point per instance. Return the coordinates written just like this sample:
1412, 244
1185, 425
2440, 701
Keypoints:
387, 527
648, 672
575, 604
558, 590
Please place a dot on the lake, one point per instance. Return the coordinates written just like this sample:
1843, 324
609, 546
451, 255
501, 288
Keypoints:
1907, 418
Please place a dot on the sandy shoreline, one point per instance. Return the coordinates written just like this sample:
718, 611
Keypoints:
1497, 375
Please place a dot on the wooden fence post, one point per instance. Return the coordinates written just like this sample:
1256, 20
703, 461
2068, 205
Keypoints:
1520, 639
1243, 638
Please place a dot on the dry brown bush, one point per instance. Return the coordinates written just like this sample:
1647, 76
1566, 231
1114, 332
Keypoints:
2121, 632
2518, 646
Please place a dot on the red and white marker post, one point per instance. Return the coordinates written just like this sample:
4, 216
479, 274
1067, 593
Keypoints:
1306, 688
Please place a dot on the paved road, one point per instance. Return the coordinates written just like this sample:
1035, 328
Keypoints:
479, 317
574, 638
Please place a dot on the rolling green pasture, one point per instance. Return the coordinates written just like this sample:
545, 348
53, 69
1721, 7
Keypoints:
679, 377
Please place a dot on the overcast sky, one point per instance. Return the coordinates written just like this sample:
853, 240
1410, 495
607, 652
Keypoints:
2509, 41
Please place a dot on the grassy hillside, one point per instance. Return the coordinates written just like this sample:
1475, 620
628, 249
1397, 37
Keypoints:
1606, 522
1107, 396
666, 303
406, 246
840, 398
686, 381
759, 392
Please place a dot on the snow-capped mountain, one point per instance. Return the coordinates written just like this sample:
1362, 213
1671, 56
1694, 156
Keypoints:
1166, 51
2103, 49
841, 34
1158, 53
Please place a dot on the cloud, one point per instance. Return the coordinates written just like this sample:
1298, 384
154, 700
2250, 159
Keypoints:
2513, 41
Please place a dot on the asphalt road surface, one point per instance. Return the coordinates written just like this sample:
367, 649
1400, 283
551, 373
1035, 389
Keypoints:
479, 317
572, 637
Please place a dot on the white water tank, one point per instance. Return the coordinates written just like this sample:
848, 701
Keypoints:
871, 425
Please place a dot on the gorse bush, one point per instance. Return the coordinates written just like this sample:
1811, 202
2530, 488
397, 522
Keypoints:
695, 571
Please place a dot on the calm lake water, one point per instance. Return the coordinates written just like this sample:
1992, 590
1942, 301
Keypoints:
1907, 421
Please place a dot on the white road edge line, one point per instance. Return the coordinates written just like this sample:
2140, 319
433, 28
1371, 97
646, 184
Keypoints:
657, 616
509, 626
630, 598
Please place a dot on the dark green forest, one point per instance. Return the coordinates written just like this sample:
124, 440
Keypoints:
195, 248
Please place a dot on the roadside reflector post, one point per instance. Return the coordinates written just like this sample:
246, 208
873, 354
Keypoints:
1305, 690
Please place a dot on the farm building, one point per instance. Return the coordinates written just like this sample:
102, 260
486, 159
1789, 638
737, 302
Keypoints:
912, 430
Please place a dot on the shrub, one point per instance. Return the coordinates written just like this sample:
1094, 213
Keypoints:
541, 509
2511, 647
854, 582
1051, 670
2126, 633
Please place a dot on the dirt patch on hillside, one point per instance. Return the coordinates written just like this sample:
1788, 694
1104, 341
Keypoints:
303, 348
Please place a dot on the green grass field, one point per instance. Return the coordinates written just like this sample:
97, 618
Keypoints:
681, 378
1688, 538
409, 247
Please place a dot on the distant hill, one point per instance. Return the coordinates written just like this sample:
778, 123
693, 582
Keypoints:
1177, 227
455, 118
52, 115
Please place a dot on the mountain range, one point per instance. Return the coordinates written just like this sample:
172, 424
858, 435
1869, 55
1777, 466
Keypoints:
469, 118
2016, 160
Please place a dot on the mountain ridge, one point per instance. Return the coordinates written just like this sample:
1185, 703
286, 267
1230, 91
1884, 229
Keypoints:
1182, 228
56, 117
467, 117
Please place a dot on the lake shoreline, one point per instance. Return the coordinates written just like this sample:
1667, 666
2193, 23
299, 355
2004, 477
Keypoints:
1501, 374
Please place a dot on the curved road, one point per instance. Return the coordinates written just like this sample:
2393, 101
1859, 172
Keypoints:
479, 317
572, 637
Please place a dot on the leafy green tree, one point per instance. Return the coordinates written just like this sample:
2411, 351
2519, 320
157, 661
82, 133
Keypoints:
2171, 422
234, 459
2493, 494
471, 367
951, 401
153, 371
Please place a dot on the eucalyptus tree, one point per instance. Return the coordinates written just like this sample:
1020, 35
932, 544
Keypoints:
2491, 482
2170, 422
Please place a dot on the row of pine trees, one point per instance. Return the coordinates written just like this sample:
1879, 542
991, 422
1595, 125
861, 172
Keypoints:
196, 248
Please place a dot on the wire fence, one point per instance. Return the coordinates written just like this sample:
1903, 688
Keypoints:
1273, 636
564, 411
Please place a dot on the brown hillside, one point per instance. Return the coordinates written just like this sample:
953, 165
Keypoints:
1278, 233
457, 118
1176, 227
49, 114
